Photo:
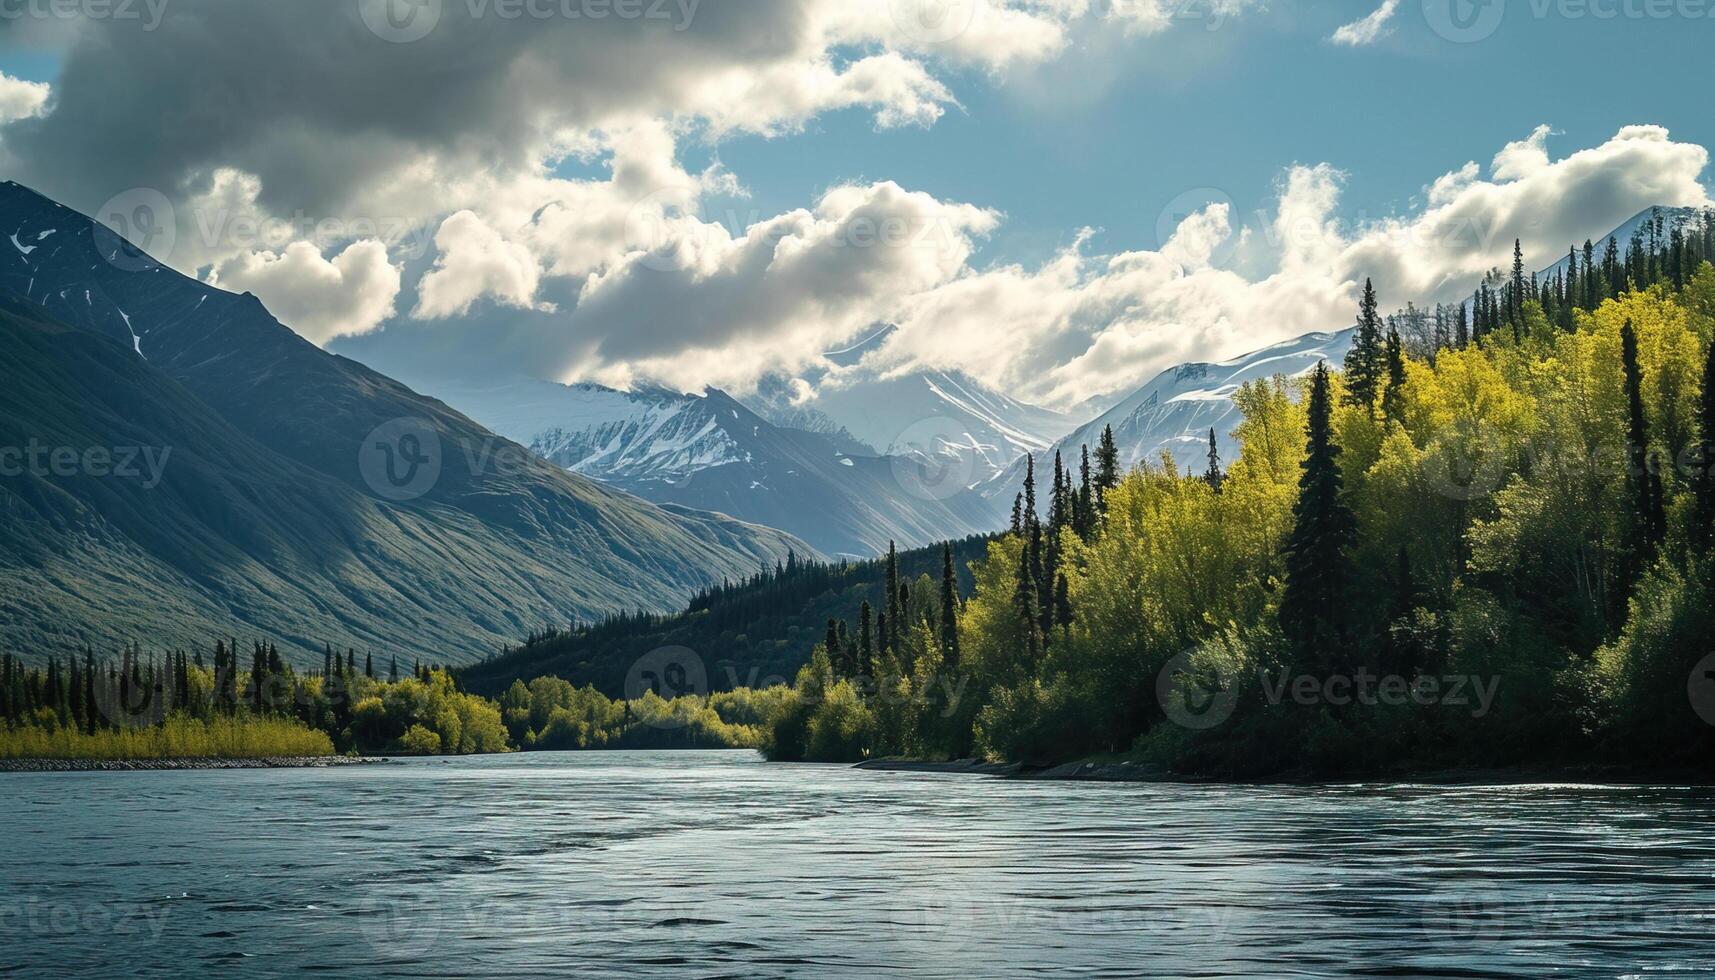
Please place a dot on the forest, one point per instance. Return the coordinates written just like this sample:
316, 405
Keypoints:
1485, 541
182, 705
750, 633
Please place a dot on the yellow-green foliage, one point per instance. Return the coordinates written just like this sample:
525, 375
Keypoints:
177, 738
1499, 470
549, 713
401, 716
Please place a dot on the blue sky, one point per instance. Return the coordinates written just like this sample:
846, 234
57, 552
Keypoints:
1232, 108
564, 215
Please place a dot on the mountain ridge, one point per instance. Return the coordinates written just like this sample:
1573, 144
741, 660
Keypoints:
529, 542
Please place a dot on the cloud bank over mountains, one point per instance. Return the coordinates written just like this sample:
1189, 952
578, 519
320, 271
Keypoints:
512, 194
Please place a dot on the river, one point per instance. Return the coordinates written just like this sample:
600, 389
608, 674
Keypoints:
716, 864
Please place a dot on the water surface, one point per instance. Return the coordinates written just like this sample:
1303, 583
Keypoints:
717, 865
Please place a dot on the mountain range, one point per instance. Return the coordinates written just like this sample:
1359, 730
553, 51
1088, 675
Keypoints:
298, 495
867, 462
280, 490
711, 452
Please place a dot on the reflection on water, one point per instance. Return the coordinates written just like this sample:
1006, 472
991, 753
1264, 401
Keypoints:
714, 864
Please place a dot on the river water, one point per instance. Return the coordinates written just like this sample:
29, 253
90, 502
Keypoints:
718, 865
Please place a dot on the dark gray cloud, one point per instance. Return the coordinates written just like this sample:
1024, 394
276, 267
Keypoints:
304, 95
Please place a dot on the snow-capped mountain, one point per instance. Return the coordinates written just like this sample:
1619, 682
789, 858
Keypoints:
1640, 224
946, 419
641, 435
1174, 412
711, 452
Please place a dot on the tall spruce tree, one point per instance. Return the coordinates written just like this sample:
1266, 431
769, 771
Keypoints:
891, 631
1026, 614
1314, 602
1107, 468
1393, 399
831, 643
866, 651
1213, 476
1703, 479
1062, 604
1086, 497
1648, 513
1364, 361
949, 609
1516, 291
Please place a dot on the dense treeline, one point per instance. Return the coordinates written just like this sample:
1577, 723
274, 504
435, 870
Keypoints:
551, 714
1486, 543
746, 632
231, 705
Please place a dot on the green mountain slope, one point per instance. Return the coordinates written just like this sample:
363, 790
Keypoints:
746, 635
270, 516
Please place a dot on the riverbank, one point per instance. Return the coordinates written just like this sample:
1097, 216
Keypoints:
1136, 772
145, 765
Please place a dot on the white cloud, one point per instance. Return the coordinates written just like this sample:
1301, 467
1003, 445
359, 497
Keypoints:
318, 298
1083, 325
705, 306
1522, 158
20, 99
1367, 29
475, 261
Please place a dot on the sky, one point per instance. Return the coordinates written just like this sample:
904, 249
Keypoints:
1060, 198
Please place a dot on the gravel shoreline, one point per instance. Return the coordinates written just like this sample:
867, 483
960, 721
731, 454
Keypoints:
151, 765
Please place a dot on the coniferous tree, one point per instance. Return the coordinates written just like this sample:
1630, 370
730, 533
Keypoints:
1025, 610
1107, 468
1032, 522
1590, 295
1462, 329
1213, 476
1062, 604
1516, 291
866, 656
393, 669
1393, 399
1364, 362
949, 609
831, 643
1086, 497
1703, 457
891, 630
369, 665
1648, 515
1314, 603
91, 711
1018, 514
